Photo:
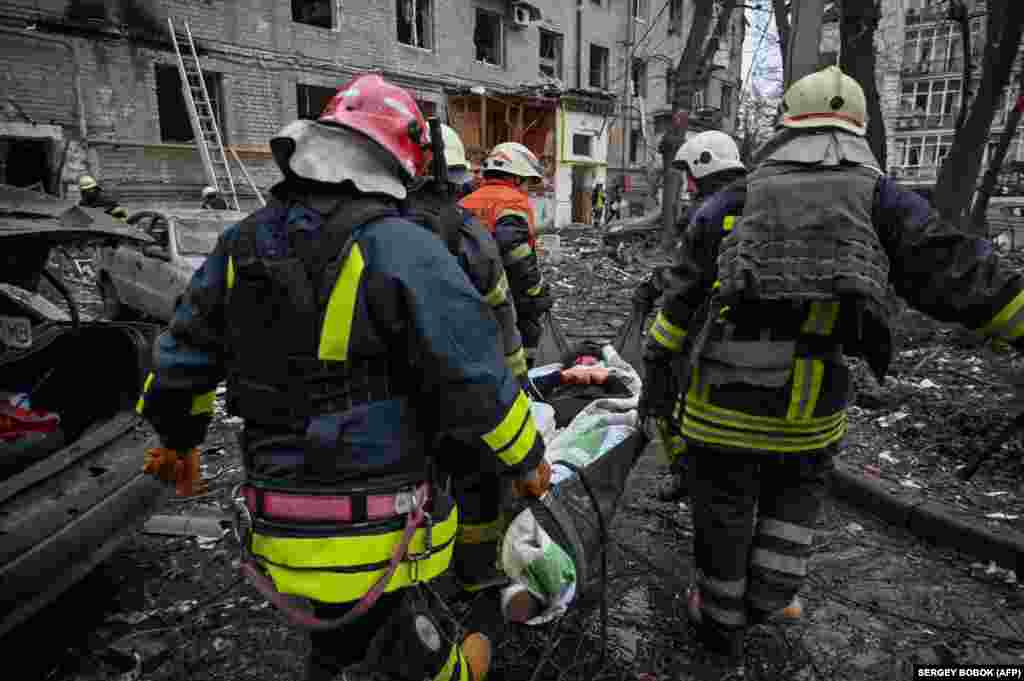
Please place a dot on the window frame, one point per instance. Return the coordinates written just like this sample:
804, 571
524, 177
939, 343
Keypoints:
605, 66
333, 10
428, 37
590, 144
559, 60
309, 87
501, 36
214, 78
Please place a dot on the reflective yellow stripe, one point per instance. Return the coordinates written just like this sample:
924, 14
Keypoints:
791, 565
317, 555
780, 529
1009, 323
699, 407
668, 334
341, 308
807, 377
727, 437
518, 253
727, 222
455, 661
717, 285
821, 318
203, 404
509, 212
141, 404
499, 294
724, 588
516, 362
699, 391
502, 435
480, 533
231, 272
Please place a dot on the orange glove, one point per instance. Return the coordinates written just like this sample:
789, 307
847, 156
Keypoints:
181, 469
536, 484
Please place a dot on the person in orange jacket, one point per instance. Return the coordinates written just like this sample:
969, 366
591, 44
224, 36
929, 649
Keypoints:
503, 206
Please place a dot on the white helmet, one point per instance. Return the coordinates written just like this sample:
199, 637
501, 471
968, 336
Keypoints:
827, 98
208, 191
515, 159
454, 150
708, 153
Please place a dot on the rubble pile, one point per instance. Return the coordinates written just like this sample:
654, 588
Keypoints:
593, 278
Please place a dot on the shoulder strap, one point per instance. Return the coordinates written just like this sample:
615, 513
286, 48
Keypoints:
335, 242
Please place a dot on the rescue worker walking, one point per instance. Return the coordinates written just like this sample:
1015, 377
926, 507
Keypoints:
779, 278
93, 196
598, 200
350, 342
477, 492
710, 161
503, 207
212, 200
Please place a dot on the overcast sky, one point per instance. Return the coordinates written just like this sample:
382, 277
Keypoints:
764, 52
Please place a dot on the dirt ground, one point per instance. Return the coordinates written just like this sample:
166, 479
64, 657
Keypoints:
878, 601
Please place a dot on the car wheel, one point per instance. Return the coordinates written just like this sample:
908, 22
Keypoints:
113, 309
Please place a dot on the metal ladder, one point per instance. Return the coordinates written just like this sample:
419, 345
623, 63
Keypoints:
203, 117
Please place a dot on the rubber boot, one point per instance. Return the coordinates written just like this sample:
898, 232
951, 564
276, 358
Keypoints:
476, 650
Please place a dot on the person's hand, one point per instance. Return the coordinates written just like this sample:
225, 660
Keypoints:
660, 390
536, 483
176, 467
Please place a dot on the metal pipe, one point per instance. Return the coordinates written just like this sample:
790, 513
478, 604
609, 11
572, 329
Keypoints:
579, 44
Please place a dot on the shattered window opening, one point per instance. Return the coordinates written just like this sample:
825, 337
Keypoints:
550, 54
313, 12
311, 99
581, 145
637, 148
488, 37
675, 16
598, 67
415, 23
639, 78
175, 123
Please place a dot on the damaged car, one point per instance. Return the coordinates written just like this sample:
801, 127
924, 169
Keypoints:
71, 445
146, 279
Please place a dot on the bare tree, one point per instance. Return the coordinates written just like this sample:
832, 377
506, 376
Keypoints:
995, 163
857, 28
691, 73
959, 172
755, 121
958, 12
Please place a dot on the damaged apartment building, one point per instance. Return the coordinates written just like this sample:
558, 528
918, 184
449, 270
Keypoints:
93, 86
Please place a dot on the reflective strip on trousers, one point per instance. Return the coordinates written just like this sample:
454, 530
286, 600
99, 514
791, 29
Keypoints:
480, 533
141, 404
807, 378
796, 534
518, 253
772, 560
1009, 323
821, 318
203, 404
667, 334
455, 667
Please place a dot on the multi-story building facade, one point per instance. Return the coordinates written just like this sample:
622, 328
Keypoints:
93, 86
653, 37
928, 62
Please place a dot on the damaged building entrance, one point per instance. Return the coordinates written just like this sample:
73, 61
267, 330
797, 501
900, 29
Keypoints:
30, 156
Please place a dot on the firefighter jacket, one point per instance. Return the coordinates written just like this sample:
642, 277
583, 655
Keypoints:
480, 259
348, 349
770, 375
504, 209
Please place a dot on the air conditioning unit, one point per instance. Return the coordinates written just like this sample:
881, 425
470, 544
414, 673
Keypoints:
524, 15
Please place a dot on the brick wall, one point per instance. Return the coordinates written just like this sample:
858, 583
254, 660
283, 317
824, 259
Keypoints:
34, 73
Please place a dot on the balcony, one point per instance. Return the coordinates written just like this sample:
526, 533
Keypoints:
914, 172
934, 67
923, 121
926, 15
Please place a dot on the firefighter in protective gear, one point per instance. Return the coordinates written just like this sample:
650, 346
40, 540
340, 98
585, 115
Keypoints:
93, 196
212, 200
350, 342
503, 207
477, 492
710, 161
765, 408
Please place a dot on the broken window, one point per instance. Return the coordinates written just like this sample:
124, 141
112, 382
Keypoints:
640, 9
726, 101
415, 23
639, 78
175, 124
599, 67
581, 145
637, 150
314, 12
488, 37
550, 54
311, 99
675, 16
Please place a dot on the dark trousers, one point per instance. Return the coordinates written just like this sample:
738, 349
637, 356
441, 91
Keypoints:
332, 651
753, 516
481, 526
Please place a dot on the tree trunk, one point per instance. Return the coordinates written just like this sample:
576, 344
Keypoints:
690, 73
958, 13
857, 49
988, 181
781, 11
959, 172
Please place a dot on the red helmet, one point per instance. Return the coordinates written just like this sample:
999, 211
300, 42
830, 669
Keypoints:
386, 114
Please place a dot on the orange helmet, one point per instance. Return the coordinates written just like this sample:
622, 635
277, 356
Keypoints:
386, 114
